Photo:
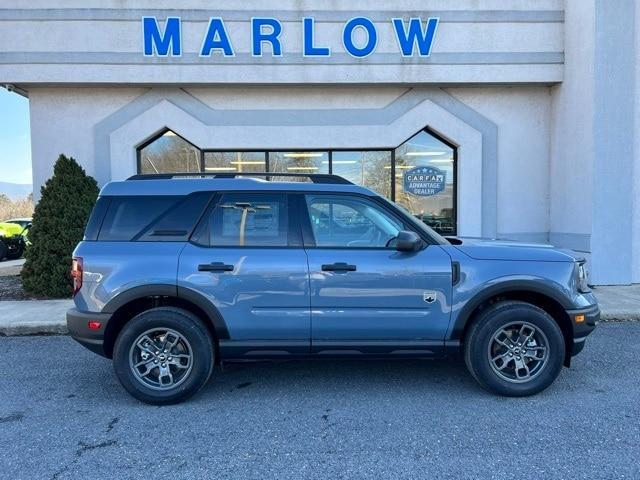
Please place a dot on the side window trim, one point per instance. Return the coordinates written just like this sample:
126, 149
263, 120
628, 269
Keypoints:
307, 230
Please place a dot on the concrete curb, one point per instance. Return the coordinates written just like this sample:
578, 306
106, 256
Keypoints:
34, 317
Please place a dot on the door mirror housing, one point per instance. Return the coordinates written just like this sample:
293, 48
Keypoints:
407, 241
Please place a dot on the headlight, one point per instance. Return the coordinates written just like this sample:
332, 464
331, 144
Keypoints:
582, 278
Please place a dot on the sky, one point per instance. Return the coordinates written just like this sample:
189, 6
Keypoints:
15, 139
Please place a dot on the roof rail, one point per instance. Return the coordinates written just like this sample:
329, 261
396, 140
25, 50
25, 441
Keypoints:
314, 177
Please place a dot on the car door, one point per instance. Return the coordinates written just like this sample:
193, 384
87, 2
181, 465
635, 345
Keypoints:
247, 259
367, 297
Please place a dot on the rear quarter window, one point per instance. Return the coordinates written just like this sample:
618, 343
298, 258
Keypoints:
126, 217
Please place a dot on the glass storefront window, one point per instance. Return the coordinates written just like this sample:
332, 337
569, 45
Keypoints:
169, 153
221, 162
298, 162
371, 169
425, 176
424, 183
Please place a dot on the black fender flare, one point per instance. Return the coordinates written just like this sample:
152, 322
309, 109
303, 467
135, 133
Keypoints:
166, 290
503, 287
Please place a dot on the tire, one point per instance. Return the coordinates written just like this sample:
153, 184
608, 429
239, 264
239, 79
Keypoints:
3, 250
193, 340
17, 254
505, 375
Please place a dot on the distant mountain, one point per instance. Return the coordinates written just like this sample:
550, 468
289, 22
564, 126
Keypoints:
15, 191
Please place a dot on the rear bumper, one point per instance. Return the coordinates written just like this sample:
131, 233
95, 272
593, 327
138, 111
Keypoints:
78, 326
582, 329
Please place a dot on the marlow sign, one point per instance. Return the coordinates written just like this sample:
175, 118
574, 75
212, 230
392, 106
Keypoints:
414, 36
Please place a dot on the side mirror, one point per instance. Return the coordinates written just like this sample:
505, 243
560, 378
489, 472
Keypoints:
408, 241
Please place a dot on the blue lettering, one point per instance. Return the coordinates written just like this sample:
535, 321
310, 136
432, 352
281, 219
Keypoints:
347, 37
158, 43
258, 36
216, 39
309, 49
407, 39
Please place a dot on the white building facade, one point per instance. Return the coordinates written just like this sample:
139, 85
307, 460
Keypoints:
514, 119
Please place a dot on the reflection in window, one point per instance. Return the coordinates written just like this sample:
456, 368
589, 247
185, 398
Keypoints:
298, 162
249, 220
425, 181
354, 222
169, 153
234, 162
371, 169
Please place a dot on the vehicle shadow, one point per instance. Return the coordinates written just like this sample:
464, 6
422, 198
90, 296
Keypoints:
339, 376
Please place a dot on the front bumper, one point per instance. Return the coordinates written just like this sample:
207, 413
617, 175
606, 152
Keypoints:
78, 326
582, 328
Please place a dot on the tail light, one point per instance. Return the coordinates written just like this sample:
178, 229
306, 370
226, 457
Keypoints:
76, 274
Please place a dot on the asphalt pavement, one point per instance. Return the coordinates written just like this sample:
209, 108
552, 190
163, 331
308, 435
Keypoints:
63, 415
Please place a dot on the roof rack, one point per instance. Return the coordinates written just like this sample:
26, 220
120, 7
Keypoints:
314, 177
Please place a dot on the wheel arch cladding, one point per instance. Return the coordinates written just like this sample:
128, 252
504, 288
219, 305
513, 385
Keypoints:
130, 303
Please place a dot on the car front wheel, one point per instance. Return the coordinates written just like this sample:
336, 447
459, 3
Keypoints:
514, 349
163, 355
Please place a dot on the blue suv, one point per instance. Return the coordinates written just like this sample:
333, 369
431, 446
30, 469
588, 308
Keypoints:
177, 274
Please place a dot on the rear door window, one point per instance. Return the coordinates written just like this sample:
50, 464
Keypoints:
246, 220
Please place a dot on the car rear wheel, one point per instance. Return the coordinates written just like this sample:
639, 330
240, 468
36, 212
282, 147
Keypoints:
3, 250
163, 356
514, 349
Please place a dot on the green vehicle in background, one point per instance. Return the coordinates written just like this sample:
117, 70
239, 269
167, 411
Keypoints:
13, 238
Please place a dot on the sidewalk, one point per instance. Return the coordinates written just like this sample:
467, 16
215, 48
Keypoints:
42, 317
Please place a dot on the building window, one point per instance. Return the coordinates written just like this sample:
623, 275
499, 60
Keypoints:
169, 153
235, 162
369, 168
299, 162
420, 174
425, 174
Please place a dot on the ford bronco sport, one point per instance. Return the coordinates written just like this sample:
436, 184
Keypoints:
179, 273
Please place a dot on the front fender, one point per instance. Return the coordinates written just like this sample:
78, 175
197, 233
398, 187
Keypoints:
466, 301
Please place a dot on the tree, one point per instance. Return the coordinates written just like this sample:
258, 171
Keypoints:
58, 225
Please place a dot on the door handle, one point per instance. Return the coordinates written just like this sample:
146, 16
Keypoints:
215, 267
338, 267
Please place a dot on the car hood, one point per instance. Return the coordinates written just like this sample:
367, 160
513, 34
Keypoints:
492, 249
9, 229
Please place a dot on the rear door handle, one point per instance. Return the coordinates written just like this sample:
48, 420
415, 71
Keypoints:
215, 267
338, 267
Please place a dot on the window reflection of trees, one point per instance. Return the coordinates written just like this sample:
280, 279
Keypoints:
169, 153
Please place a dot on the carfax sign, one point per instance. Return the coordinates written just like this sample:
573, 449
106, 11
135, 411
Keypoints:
424, 181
